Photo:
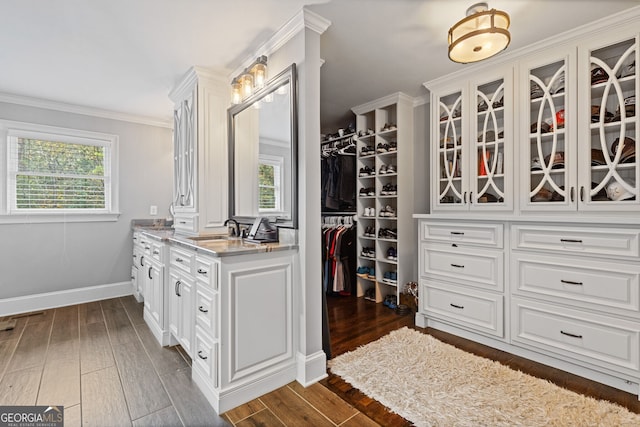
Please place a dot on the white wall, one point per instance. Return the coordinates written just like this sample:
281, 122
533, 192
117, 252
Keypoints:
42, 258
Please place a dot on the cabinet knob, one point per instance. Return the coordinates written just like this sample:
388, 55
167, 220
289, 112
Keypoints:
179, 260
201, 356
202, 309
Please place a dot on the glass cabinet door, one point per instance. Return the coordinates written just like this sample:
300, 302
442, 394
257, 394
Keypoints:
450, 189
491, 134
608, 165
548, 161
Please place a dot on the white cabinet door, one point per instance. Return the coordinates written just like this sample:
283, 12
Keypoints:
156, 287
472, 143
548, 131
186, 314
174, 304
184, 154
609, 133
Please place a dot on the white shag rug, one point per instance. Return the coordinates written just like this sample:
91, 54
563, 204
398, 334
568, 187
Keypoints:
431, 383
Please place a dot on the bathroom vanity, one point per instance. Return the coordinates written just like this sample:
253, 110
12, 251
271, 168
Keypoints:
230, 304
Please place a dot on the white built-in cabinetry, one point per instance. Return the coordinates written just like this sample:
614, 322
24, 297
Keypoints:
200, 152
386, 197
472, 123
154, 279
548, 266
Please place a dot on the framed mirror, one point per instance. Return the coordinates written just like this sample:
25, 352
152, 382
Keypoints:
263, 137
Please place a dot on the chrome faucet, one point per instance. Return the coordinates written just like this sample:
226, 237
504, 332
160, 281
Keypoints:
236, 228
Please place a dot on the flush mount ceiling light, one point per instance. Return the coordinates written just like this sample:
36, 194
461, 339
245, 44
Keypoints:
480, 35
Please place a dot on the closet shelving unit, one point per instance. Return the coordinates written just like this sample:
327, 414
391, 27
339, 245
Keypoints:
381, 124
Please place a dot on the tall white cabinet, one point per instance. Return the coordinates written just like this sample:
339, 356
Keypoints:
537, 251
387, 195
201, 180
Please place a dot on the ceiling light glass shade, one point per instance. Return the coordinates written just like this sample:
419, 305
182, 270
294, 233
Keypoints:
259, 72
247, 84
482, 34
236, 92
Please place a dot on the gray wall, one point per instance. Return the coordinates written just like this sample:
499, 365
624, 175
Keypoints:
39, 258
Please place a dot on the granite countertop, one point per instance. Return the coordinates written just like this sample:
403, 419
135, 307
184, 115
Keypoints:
217, 245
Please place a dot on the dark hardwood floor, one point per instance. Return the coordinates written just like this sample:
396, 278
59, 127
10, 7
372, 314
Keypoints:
355, 321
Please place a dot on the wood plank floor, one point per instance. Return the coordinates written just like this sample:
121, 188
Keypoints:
101, 362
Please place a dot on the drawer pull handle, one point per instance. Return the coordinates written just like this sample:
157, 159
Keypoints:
457, 265
156, 252
571, 240
142, 261
201, 271
461, 307
458, 233
202, 310
179, 260
571, 282
569, 334
177, 289
183, 222
147, 247
201, 356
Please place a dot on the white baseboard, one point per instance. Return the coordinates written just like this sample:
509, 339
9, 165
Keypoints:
24, 304
311, 368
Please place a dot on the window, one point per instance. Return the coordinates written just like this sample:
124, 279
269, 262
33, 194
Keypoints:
270, 183
59, 172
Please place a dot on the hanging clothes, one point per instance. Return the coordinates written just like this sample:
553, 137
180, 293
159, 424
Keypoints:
338, 169
339, 258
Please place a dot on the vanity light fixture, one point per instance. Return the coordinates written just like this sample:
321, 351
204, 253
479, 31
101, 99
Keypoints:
252, 78
480, 35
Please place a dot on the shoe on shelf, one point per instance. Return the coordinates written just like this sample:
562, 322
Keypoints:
372, 272
392, 254
370, 294
383, 170
363, 192
364, 271
393, 146
391, 169
382, 148
371, 191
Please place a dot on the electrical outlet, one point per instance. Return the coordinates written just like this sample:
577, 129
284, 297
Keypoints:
153, 210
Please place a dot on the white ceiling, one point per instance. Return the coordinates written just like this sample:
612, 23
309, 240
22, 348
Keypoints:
126, 55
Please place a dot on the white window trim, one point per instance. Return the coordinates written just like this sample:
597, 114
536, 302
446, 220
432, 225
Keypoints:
12, 129
276, 161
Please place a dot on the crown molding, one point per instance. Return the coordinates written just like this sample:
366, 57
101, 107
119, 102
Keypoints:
189, 80
398, 97
84, 110
421, 100
301, 20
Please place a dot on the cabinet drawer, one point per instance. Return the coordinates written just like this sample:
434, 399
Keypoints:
603, 241
588, 283
448, 232
207, 272
479, 267
481, 311
187, 223
181, 259
206, 310
205, 355
156, 251
605, 341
